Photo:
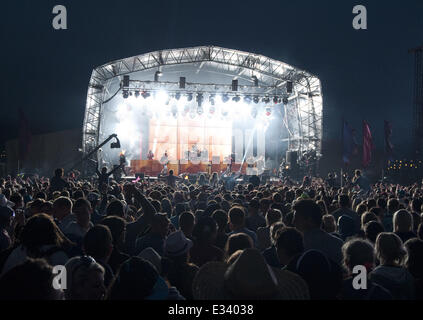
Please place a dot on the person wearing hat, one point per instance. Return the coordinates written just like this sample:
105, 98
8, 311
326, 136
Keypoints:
248, 278
181, 274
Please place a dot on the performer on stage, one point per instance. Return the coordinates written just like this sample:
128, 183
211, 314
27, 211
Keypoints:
150, 155
164, 159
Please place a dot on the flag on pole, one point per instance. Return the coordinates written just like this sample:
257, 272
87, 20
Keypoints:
367, 144
389, 147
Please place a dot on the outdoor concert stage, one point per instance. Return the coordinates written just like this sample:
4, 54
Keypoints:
199, 110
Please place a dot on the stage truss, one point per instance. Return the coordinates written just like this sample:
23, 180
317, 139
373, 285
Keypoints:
302, 107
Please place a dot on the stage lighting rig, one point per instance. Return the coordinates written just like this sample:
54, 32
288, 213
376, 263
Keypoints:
266, 99
256, 99
137, 93
276, 100
125, 94
200, 99
236, 99
211, 99
255, 79
225, 98
145, 94
177, 96
189, 97
247, 99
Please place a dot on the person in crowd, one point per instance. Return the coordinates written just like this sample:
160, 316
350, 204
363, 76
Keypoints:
98, 243
29, 281
221, 218
157, 235
393, 206
263, 233
255, 219
270, 254
390, 273
62, 212
414, 264
238, 241
372, 229
289, 247
117, 226
138, 279
403, 225
181, 273
187, 223
360, 252
77, 229
345, 210
237, 223
6, 219
308, 220
204, 235
84, 279
58, 183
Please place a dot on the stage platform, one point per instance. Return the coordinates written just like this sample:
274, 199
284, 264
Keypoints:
154, 167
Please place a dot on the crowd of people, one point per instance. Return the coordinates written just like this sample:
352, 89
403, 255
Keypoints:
175, 240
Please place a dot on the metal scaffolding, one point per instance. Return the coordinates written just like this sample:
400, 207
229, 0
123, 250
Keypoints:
303, 111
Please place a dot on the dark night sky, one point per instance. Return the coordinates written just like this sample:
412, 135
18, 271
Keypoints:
365, 74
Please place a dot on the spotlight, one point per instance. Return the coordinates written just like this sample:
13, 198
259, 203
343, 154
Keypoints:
266, 99
285, 100
256, 99
268, 111
137, 93
211, 99
200, 99
275, 100
157, 75
236, 99
189, 97
177, 96
145, 94
247, 99
125, 94
254, 78
225, 98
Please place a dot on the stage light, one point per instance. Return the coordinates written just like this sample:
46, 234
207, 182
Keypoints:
137, 93
189, 97
225, 98
254, 78
236, 99
145, 94
275, 100
125, 94
268, 111
247, 99
266, 99
157, 75
177, 96
256, 99
211, 99
285, 100
200, 99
